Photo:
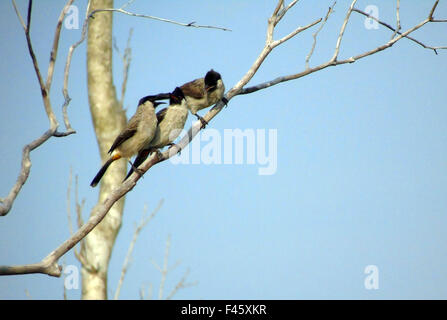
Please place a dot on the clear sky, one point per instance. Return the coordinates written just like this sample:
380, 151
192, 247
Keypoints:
361, 170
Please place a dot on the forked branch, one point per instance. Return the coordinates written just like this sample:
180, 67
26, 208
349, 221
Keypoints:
49, 264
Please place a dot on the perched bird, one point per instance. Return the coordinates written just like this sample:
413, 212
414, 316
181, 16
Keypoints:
201, 93
139, 131
171, 121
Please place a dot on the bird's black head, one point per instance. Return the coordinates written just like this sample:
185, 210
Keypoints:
211, 79
152, 99
176, 96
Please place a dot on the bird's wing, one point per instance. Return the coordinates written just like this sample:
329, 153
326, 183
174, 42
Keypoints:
194, 89
128, 132
161, 114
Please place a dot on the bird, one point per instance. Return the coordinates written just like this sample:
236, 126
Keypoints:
138, 132
201, 93
171, 121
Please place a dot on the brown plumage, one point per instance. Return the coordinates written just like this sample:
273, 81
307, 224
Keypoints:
171, 121
138, 132
201, 93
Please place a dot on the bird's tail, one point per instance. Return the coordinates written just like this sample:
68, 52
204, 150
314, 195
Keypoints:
103, 170
142, 155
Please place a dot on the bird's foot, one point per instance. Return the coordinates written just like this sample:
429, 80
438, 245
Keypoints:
225, 100
203, 121
159, 154
171, 145
139, 171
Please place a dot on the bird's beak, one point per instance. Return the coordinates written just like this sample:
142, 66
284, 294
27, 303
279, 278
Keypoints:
158, 103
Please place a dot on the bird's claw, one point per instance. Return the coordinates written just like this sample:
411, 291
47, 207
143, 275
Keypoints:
172, 145
139, 171
203, 121
159, 154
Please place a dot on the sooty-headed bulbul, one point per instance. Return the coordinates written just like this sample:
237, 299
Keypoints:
201, 93
138, 132
171, 121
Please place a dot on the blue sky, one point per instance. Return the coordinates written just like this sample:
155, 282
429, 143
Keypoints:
361, 150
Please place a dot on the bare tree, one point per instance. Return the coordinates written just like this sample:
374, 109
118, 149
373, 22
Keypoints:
99, 232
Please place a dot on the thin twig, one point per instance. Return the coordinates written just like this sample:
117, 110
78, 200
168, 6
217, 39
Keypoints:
67, 98
144, 221
53, 53
79, 207
164, 271
398, 32
397, 19
126, 59
315, 34
182, 284
342, 31
190, 24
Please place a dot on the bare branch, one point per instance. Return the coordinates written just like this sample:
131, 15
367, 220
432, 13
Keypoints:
56, 45
49, 264
398, 32
432, 11
295, 32
67, 98
282, 12
6, 203
331, 62
149, 292
181, 285
164, 271
70, 225
397, 19
79, 207
278, 7
19, 15
126, 59
44, 91
342, 31
315, 34
144, 221
191, 24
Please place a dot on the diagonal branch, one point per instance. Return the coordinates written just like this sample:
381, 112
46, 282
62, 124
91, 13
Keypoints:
342, 31
67, 98
398, 27
126, 58
53, 53
49, 264
43, 88
331, 62
396, 31
315, 34
6, 203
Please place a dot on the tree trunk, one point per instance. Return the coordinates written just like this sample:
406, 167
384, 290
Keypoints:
108, 120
